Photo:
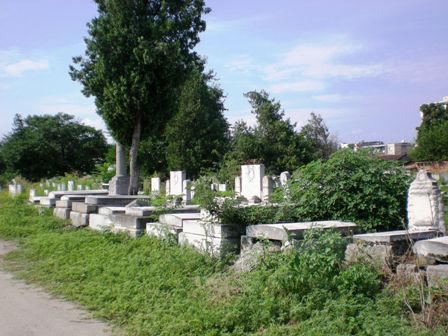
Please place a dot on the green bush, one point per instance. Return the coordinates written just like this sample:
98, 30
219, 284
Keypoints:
351, 186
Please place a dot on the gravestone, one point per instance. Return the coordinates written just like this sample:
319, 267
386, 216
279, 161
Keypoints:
155, 185
119, 184
186, 194
252, 181
177, 182
238, 186
222, 187
284, 178
46, 192
79, 187
71, 185
425, 207
268, 187
167, 188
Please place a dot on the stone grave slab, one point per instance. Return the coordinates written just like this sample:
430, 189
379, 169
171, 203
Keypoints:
436, 249
214, 246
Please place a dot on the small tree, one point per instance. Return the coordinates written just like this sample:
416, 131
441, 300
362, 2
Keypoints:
317, 134
46, 146
137, 54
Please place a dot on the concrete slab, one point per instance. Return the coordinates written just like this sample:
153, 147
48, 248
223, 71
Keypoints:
436, 248
63, 213
111, 210
394, 236
135, 226
211, 230
79, 219
214, 246
84, 208
148, 210
117, 200
177, 219
282, 231
162, 230
437, 274
48, 202
100, 222
59, 194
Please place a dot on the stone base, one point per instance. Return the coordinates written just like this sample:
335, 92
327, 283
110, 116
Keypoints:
134, 226
79, 219
436, 249
63, 213
119, 185
48, 202
100, 222
211, 229
84, 208
216, 247
162, 230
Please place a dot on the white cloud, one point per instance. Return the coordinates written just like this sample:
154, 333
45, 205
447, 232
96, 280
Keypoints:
242, 64
332, 98
319, 61
18, 68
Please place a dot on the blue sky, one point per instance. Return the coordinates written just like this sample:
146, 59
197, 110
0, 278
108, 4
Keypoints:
365, 66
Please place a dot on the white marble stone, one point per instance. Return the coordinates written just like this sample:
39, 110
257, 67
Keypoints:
268, 187
155, 185
177, 179
237, 186
186, 194
284, 178
222, 187
425, 207
252, 181
167, 188
71, 185
119, 184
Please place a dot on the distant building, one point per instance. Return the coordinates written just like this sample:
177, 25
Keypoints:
380, 148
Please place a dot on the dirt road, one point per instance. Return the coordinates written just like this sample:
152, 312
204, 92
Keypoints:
28, 311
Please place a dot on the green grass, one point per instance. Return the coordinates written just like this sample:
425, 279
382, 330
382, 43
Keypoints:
151, 287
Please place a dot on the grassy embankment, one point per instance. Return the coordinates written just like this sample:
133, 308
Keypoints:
151, 287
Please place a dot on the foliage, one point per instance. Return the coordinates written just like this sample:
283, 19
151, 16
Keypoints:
273, 141
433, 114
432, 143
137, 54
152, 287
197, 136
317, 134
50, 145
352, 186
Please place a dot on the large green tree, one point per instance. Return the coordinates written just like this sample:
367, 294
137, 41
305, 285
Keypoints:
198, 134
51, 145
316, 132
137, 55
432, 137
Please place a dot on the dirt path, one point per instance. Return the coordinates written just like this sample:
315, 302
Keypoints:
28, 311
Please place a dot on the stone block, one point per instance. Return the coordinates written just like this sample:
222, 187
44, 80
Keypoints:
176, 182
389, 237
162, 230
376, 254
84, 208
155, 185
111, 210
63, 213
48, 202
133, 225
59, 194
437, 275
116, 201
214, 246
100, 222
119, 185
177, 219
285, 231
79, 219
208, 229
436, 249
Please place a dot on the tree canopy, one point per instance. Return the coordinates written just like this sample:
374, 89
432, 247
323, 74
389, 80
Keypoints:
51, 145
138, 53
197, 136
432, 137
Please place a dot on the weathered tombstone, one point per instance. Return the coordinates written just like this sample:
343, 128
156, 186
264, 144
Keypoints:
252, 181
186, 194
53, 185
79, 186
268, 187
87, 187
47, 183
237, 186
63, 186
222, 187
284, 178
119, 184
214, 187
32, 193
177, 182
46, 192
425, 207
19, 189
59, 187
167, 188
155, 185
71, 185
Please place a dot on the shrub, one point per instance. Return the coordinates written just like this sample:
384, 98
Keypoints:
352, 186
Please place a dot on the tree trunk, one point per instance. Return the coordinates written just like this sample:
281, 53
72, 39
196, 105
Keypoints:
133, 155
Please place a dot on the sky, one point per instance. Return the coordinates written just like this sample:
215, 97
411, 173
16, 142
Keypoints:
364, 66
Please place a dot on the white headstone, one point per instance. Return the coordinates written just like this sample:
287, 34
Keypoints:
284, 178
63, 186
87, 187
46, 192
222, 187
32, 193
252, 181
186, 194
167, 188
155, 185
237, 186
268, 187
79, 187
176, 182
19, 189
71, 185
425, 207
